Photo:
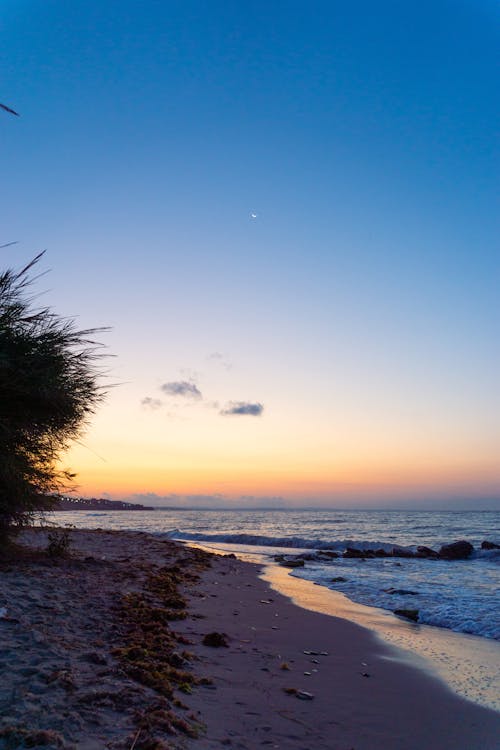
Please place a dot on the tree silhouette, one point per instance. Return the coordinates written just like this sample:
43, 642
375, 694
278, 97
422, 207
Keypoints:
49, 386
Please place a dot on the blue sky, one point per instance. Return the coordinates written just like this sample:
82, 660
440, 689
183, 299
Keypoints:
359, 306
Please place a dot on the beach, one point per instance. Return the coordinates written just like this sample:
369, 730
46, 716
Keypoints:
77, 673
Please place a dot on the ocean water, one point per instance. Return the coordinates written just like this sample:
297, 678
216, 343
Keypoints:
459, 595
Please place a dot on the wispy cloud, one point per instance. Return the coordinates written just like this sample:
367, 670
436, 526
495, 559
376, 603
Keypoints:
212, 405
151, 403
242, 408
183, 388
220, 359
217, 500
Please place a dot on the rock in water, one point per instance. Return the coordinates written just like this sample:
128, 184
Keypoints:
456, 551
489, 545
423, 551
402, 552
410, 614
352, 552
292, 563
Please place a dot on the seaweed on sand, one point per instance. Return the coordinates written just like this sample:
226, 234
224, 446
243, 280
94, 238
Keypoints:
150, 653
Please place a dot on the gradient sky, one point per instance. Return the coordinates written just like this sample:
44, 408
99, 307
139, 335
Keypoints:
284, 210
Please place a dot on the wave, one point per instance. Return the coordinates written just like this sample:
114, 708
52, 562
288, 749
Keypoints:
487, 554
292, 542
452, 606
297, 542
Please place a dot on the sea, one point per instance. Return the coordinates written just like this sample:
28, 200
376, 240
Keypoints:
460, 595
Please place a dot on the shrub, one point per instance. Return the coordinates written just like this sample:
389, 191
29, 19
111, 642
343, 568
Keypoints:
49, 386
59, 542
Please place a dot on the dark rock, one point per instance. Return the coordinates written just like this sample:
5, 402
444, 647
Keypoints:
328, 553
339, 579
410, 614
456, 551
292, 563
230, 555
423, 551
306, 556
401, 592
489, 545
279, 558
215, 640
176, 660
363, 554
350, 552
401, 552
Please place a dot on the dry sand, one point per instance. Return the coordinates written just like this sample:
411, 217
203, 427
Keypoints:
57, 672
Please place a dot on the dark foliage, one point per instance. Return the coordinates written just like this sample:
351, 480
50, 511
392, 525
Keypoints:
48, 388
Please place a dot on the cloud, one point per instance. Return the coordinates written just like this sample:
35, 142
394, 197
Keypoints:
266, 501
216, 500
182, 388
212, 405
151, 403
189, 374
220, 359
242, 408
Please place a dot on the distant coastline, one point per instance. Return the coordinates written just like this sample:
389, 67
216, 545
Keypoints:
94, 503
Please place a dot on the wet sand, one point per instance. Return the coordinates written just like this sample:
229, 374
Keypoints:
470, 665
363, 698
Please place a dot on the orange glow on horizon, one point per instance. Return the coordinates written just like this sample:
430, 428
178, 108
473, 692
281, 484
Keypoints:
285, 481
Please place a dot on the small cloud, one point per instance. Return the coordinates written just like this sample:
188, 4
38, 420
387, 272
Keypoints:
182, 388
190, 375
151, 403
275, 501
253, 215
212, 405
242, 408
220, 359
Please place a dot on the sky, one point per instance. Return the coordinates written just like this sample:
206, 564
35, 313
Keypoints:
286, 213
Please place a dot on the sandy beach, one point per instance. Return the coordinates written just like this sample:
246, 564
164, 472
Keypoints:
104, 649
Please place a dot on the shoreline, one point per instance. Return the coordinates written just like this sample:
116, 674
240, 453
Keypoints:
59, 652
363, 697
468, 664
